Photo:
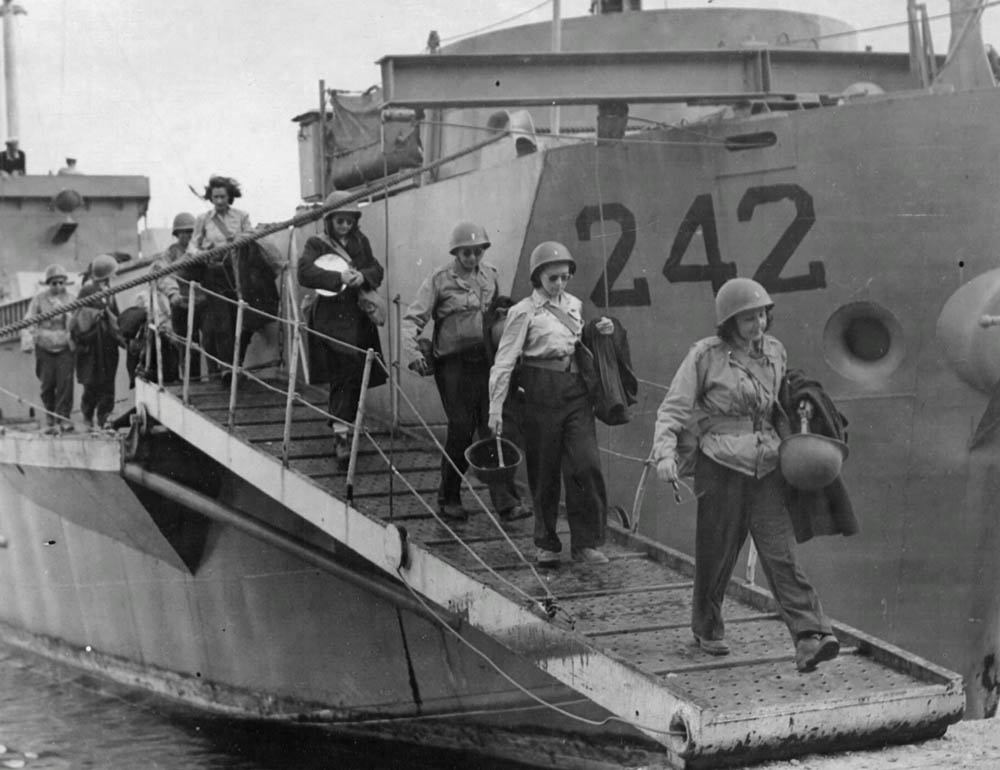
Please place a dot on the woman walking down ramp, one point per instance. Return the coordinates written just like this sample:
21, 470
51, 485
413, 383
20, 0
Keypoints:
727, 385
557, 420
340, 266
456, 297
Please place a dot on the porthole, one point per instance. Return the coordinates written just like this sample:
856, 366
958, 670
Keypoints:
863, 342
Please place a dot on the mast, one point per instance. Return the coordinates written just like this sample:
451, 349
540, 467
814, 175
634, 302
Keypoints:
8, 11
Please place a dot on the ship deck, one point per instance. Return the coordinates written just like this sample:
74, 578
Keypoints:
623, 625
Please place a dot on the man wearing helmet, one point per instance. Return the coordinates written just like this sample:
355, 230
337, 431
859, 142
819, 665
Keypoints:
53, 347
725, 391
455, 297
172, 292
557, 418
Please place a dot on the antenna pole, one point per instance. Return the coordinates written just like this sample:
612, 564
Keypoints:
8, 11
554, 126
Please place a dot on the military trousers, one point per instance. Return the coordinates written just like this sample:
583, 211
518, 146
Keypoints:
463, 382
55, 372
560, 443
730, 506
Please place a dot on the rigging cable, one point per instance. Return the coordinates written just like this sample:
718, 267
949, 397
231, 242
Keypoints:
496, 23
890, 25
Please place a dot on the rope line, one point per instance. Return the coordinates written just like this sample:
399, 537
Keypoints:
537, 698
890, 25
241, 240
496, 23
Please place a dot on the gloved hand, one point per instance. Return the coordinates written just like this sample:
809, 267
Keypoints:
605, 325
495, 424
666, 469
421, 367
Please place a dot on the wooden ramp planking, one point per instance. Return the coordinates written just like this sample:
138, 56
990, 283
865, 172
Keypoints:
635, 609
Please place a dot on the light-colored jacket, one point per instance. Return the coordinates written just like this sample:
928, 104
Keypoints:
51, 335
727, 403
456, 304
533, 332
208, 232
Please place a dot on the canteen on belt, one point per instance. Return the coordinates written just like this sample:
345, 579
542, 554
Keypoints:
333, 262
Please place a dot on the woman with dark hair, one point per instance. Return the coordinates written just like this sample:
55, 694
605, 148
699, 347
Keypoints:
557, 420
216, 317
725, 391
223, 223
334, 311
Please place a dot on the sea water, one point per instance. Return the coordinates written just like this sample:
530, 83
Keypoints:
53, 717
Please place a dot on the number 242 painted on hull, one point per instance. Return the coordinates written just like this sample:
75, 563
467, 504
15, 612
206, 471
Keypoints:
701, 214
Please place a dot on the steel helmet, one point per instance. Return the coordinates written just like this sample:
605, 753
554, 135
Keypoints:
56, 271
467, 234
737, 295
809, 461
546, 254
183, 221
103, 266
338, 196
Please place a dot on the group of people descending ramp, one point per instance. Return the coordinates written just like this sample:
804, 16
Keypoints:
501, 367
547, 411
88, 340
85, 342
515, 368
249, 272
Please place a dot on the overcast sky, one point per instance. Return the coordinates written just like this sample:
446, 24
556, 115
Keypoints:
178, 90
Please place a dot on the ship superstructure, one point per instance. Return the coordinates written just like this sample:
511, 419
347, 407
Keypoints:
214, 553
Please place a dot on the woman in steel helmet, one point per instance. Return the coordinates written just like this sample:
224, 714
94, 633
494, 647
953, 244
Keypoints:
726, 388
456, 296
557, 418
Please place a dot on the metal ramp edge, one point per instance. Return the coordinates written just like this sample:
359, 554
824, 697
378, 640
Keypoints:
692, 733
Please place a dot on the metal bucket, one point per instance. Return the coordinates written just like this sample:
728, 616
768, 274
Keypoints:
483, 458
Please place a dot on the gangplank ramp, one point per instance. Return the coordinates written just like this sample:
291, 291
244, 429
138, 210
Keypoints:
621, 636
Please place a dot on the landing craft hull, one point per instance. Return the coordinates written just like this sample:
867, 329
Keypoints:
861, 220
96, 576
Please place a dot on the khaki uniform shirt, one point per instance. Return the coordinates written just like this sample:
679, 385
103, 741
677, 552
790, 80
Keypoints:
725, 398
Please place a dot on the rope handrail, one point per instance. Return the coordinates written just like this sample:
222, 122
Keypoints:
261, 232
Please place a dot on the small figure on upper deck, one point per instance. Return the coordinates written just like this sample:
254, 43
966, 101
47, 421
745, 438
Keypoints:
53, 347
70, 168
12, 160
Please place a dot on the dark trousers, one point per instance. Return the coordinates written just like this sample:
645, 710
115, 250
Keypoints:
731, 505
560, 447
178, 318
55, 371
463, 384
347, 369
218, 333
98, 400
